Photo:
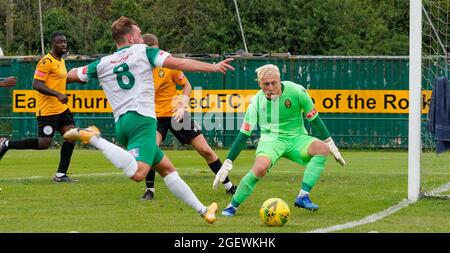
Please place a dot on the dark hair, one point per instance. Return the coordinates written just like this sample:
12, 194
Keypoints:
120, 27
56, 34
150, 39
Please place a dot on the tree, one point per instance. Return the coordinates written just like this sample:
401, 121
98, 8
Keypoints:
307, 27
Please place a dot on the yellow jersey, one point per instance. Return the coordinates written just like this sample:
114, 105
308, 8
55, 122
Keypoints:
53, 73
166, 81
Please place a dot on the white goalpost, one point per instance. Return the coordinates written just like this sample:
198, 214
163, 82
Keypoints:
415, 92
429, 41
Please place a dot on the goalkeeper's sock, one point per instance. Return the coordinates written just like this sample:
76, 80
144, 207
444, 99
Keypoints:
182, 191
313, 171
302, 193
117, 155
231, 205
245, 189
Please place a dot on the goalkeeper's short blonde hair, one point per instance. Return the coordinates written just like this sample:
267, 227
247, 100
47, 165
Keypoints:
264, 70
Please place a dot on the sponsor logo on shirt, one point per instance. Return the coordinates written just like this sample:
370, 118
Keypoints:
123, 59
311, 113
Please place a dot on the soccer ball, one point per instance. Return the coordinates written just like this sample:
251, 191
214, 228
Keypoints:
274, 212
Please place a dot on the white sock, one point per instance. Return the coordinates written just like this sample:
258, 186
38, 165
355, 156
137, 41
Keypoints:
228, 185
60, 174
151, 189
117, 155
230, 205
182, 191
302, 193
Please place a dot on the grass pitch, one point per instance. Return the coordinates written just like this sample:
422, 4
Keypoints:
105, 200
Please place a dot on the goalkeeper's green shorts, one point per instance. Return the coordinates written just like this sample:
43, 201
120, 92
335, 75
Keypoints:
138, 134
294, 149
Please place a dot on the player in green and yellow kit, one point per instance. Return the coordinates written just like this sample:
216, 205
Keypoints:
277, 108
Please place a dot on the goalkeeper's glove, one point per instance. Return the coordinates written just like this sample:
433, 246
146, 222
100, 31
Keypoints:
223, 172
335, 151
180, 107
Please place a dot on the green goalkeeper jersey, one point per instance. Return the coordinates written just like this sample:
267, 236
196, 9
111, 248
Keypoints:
280, 117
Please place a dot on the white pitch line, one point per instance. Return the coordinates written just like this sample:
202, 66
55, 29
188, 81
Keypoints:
188, 169
377, 216
75, 175
368, 219
440, 189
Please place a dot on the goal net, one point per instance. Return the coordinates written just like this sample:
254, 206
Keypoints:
434, 168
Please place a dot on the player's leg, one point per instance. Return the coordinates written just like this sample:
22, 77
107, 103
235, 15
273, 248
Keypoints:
267, 153
312, 152
150, 178
187, 131
140, 134
180, 189
201, 146
65, 123
46, 130
163, 125
119, 157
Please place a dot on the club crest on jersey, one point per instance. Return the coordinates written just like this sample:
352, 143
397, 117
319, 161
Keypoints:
287, 103
161, 73
48, 130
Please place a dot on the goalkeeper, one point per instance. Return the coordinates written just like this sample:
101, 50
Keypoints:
277, 109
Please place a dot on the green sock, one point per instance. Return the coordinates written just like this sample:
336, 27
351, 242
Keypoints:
313, 171
244, 189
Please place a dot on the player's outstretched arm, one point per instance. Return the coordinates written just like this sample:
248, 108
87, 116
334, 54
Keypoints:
197, 66
72, 76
